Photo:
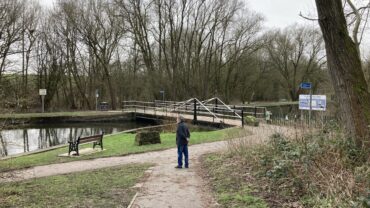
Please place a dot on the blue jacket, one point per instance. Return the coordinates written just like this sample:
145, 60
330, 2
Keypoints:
182, 133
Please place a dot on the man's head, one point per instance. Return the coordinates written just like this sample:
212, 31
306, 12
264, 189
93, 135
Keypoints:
180, 118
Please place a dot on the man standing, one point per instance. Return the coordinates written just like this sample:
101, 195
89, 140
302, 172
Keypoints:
182, 140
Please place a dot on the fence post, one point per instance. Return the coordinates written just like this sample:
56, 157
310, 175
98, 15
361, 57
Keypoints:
123, 106
195, 111
255, 112
216, 105
242, 117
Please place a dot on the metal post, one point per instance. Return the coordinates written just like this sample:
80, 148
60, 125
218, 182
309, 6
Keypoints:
96, 103
195, 111
242, 117
255, 112
43, 103
309, 114
216, 104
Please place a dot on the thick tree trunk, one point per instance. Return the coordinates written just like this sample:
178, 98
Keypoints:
345, 69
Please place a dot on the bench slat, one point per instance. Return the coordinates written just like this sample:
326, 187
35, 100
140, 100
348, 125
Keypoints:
90, 138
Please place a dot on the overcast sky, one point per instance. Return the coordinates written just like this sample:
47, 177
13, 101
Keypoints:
278, 13
281, 13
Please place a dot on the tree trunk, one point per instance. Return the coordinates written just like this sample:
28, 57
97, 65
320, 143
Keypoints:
345, 69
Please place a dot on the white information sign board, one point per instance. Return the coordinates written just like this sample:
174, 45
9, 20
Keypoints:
318, 102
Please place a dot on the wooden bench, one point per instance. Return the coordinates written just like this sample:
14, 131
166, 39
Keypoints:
97, 139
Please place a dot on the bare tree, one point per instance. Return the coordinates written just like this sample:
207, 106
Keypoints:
297, 54
10, 29
101, 31
345, 68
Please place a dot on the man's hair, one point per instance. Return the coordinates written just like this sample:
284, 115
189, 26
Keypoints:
181, 117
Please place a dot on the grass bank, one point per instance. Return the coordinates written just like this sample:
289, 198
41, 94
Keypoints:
111, 187
231, 182
313, 170
115, 145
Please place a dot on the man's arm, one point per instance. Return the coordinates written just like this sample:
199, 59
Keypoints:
187, 133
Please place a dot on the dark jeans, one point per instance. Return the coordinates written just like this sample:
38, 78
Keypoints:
182, 149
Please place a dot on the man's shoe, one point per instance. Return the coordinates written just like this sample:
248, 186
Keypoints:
178, 167
187, 166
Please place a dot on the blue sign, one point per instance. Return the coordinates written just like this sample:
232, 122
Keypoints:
318, 102
306, 85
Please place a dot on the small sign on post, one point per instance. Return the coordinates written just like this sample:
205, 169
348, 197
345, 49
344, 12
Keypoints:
306, 85
162, 92
42, 93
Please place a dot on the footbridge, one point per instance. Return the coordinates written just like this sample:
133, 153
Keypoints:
213, 110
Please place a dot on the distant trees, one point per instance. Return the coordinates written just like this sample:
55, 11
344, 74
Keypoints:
297, 54
190, 48
130, 49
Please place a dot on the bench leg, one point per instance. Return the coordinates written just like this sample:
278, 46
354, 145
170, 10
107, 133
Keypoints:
100, 143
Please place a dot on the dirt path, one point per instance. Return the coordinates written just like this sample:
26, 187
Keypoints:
166, 186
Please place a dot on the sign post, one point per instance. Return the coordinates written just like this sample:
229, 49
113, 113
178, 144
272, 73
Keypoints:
96, 99
42, 93
162, 92
308, 85
310, 112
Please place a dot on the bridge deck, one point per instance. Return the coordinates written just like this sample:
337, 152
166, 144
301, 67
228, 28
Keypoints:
173, 115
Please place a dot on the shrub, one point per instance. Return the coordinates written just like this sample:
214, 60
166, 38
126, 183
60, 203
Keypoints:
147, 137
321, 169
251, 121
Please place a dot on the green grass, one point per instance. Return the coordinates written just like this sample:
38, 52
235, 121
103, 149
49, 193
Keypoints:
116, 145
110, 187
230, 182
57, 114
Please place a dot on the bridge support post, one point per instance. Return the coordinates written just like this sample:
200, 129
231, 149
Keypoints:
195, 111
216, 103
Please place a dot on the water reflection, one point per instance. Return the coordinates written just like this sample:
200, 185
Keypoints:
17, 141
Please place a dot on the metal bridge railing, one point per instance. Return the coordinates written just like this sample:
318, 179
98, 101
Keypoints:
219, 111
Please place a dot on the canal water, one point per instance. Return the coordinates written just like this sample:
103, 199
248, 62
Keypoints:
16, 141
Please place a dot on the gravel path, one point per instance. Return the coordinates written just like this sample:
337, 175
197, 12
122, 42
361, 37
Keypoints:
166, 186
